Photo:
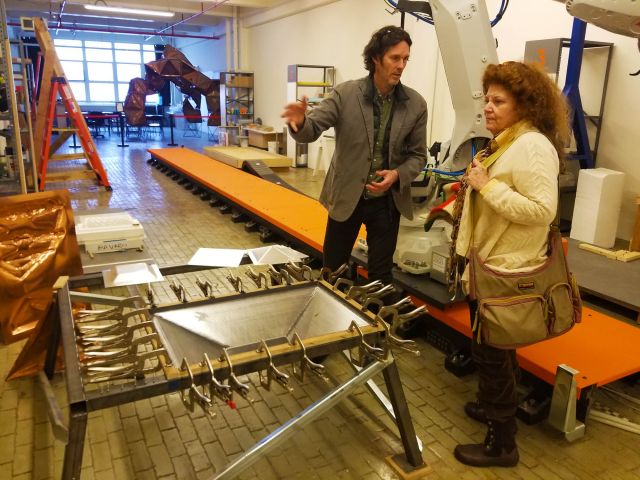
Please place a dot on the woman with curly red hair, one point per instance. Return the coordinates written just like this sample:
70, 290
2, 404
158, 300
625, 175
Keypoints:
507, 212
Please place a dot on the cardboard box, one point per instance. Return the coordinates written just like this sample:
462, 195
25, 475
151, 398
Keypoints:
242, 81
261, 139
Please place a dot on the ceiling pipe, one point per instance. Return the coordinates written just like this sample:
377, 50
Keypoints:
62, 5
126, 32
195, 15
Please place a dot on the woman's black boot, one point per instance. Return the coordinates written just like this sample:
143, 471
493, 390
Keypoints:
474, 410
498, 450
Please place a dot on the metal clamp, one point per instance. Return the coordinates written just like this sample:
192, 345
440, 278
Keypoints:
391, 342
235, 385
360, 292
150, 296
330, 276
236, 283
216, 388
300, 273
306, 363
179, 291
272, 373
194, 396
124, 337
97, 357
342, 284
129, 366
364, 349
280, 277
118, 323
405, 317
258, 278
205, 287
372, 301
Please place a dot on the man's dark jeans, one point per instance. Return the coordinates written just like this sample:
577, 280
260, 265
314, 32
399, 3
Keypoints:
382, 219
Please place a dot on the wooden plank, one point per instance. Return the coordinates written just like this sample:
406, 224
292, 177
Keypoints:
235, 156
45, 91
599, 250
67, 156
621, 255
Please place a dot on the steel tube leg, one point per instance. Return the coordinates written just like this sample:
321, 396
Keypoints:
54, 341
73, 451
403, 417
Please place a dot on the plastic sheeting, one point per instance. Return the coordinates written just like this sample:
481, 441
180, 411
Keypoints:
37, 245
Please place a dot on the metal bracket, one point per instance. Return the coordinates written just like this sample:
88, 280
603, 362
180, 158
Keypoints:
562, 413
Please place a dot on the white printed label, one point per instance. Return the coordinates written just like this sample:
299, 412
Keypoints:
438, 263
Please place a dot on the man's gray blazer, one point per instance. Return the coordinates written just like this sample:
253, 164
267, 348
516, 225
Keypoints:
349, 109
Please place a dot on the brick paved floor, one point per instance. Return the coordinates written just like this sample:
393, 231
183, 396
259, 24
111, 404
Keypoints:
159, 438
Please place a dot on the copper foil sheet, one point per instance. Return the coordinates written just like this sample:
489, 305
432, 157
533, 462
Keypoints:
37, 245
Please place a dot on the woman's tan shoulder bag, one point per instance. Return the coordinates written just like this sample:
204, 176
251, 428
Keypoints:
518, 309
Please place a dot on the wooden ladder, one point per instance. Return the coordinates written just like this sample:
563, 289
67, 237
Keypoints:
59, 86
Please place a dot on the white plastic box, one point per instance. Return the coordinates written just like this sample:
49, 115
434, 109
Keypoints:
597, 206
109, 232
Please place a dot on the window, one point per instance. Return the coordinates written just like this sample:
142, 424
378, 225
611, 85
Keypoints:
127, 71
127, 56
100, 71
69, 53
102, 92
73, 70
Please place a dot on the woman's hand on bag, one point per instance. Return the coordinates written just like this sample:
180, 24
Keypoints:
477, 176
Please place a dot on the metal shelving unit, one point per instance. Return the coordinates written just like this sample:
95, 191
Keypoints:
236, 98
19, 174
314, 82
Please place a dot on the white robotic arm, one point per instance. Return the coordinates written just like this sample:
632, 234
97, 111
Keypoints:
617, 16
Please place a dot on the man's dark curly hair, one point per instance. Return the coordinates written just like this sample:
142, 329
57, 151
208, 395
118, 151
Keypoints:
380, 42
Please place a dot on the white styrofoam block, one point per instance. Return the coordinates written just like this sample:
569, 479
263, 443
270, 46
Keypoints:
597, 206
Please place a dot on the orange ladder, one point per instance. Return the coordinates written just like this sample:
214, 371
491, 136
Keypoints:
59, 86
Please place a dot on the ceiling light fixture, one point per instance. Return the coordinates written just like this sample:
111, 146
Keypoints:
132, 11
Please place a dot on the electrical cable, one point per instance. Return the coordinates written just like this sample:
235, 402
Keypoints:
504, 4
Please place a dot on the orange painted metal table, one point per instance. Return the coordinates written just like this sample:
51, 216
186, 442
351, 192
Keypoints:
601, 348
